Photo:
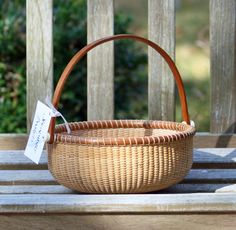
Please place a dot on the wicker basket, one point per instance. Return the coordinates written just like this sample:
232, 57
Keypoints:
120, 156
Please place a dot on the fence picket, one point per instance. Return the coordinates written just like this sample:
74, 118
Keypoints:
100, 89
223, 65
161, 29
39, 57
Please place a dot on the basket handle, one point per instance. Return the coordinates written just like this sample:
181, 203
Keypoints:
87, 48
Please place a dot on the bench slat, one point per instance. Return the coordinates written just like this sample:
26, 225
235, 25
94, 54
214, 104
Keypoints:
21, 177
211, 176
34, 177
34, 189
214, 158
15, 159
59, 189
203, 158
119, 221
196, 188
141, 203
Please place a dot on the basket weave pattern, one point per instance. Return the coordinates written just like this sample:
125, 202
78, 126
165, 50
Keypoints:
104, 164
120, 156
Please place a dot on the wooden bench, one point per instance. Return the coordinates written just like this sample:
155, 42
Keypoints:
29, 196
31, 199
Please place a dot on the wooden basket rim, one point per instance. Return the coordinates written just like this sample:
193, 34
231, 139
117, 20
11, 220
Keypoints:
61, 136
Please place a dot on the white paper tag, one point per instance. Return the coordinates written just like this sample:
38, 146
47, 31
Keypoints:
38, 132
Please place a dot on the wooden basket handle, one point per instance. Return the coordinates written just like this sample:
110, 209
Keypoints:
87, 48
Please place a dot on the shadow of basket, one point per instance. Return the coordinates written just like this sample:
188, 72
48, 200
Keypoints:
225, 138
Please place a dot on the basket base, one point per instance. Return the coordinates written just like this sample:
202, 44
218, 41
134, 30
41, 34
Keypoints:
120, 169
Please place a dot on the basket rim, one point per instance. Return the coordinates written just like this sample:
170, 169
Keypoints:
61, 136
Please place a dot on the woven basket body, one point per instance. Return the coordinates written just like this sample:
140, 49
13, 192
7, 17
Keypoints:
123, 156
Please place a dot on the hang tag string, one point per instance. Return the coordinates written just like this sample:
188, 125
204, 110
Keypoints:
56, 113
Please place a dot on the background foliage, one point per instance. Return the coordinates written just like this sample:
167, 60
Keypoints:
69, 37
12, 66
192, 57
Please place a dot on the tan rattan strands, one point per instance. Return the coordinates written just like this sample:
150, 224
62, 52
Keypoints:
120, 156
123, 132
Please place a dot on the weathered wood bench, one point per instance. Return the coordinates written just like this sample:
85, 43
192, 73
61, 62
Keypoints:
29, 196
31, 199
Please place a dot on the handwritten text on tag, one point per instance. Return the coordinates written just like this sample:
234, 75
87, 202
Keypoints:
38, 133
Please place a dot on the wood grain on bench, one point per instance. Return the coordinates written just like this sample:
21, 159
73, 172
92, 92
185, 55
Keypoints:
207, 193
